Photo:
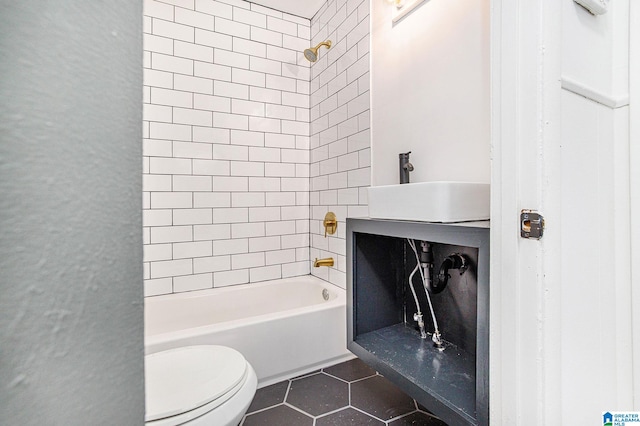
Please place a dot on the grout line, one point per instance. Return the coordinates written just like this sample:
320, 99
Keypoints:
264, 409
300, 410
364, 378
368, 414
286, 393
328, 413
402, 415
335, 377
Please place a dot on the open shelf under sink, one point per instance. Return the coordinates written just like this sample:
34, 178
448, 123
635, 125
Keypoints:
448, 376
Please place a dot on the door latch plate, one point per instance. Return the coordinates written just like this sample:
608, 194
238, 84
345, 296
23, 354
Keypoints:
531, 224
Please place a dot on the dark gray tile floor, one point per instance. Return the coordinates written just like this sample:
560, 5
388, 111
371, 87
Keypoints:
349, 393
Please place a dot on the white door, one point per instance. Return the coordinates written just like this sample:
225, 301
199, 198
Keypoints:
561, 307
634, 169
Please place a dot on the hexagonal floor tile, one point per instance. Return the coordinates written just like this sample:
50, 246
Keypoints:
380, 398
418, 419
280, 415
351, 370
269, 396
318, 394
348, 417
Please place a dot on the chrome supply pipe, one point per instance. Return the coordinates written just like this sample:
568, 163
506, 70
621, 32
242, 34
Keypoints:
437, 337
418, 315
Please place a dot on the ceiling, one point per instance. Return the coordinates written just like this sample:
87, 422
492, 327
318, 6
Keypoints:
303, 8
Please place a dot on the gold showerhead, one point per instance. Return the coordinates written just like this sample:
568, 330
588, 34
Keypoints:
312, 53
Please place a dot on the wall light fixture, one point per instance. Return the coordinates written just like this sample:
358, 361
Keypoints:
404, 8
396, 3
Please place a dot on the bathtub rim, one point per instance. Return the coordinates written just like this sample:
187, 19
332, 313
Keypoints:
161, 338
237, 287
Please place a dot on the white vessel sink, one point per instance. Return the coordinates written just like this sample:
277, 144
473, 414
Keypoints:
444, 201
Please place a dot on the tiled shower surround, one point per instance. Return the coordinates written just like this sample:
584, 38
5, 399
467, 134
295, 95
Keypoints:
246, 145
340, 137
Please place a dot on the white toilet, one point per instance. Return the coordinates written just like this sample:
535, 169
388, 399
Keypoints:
198, 385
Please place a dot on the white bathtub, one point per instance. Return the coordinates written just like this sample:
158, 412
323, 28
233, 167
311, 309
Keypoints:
284, 328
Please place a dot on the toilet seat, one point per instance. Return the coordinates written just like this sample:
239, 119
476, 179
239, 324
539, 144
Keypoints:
185, 383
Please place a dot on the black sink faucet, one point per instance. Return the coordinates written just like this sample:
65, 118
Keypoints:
405, 167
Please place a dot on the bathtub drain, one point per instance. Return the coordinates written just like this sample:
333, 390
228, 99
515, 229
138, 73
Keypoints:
325, 294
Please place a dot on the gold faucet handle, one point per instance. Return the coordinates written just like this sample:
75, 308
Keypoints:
330, 223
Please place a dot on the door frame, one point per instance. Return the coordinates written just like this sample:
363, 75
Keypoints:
525, 130
634, 190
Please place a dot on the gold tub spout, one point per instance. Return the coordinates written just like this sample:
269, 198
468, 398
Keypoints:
323, 262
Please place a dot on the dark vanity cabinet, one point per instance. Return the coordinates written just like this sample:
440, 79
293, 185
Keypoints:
451, 381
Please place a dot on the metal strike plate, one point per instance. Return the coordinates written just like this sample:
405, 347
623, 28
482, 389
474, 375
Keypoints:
531, 224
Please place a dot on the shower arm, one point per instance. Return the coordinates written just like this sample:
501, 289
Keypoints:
324, 43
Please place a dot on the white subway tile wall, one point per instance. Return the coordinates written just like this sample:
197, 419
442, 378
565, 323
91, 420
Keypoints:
226, 184
246, 146
339, 128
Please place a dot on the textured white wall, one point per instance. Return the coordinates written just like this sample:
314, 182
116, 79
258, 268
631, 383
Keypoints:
430, 91
71, 309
